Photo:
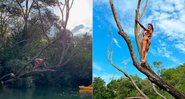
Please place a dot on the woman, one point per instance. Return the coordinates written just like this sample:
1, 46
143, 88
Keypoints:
145, 43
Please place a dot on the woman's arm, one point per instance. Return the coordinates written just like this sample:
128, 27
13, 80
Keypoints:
141, 25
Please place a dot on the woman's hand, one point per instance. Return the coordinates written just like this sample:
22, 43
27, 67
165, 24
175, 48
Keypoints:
141, 25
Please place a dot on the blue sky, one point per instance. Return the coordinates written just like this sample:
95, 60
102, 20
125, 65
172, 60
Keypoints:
168, 43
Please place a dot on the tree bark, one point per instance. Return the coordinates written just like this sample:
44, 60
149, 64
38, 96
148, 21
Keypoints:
150, 74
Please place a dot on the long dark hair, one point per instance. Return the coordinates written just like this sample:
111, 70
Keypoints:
151, 26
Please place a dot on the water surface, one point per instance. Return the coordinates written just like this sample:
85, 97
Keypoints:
43, 93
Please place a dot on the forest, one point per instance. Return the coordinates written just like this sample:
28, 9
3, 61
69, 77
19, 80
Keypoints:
30, 29
122, 88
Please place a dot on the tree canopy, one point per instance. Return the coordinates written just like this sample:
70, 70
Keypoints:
122, 87
30, 29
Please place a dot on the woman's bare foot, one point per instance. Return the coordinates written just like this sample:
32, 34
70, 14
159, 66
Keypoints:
142, 61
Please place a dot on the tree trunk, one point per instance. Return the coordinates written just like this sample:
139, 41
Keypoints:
150, 74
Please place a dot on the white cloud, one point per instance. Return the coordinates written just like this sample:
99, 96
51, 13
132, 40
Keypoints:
116, 42
81, 13
97, 67
107, 77
162, 50
168, 17
125, 10
82, 29
181, 47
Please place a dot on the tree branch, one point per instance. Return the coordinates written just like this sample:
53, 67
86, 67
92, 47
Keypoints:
38, 54
128, 76
144, 9
28, 74
150, 74
154, 88
134, 98
137, 29
21, 7
40, 16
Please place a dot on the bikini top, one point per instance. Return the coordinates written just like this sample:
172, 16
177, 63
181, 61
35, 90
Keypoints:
148, 34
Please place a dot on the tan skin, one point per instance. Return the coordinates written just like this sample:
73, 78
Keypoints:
145, 43
39, 62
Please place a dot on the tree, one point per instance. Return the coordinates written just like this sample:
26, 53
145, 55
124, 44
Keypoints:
123, 71
65, 38
99, 88
148, 72
158, 66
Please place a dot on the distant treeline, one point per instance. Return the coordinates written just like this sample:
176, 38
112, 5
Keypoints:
121, 88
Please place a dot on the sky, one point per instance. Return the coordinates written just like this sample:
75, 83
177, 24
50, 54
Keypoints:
80, 18
167, 43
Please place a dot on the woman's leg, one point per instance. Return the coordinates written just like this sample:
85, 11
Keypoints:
146, 53
143, 50
147, 48
148, 45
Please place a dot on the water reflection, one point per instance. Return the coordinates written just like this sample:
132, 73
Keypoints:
48, 93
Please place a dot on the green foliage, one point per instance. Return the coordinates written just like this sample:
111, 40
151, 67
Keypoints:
175, 77
99, 88
21, 38
121, 88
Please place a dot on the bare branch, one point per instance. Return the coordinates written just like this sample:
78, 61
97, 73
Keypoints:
134, 98
64, 33
26, 7
29, 10
144, 9
61, 9
154, 88
71, 4
149, 73
10, 75
21, 7
128, 76
28, 74
137, 29
40, 16
36, 72
138, 5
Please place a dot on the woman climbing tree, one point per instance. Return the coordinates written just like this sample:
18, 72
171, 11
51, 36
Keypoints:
145, 43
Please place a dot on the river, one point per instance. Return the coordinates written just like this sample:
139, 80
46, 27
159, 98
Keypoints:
43, 93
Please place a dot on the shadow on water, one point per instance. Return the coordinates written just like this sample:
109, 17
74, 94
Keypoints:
43, 93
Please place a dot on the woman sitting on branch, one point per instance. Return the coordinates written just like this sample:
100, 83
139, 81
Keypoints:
145, 43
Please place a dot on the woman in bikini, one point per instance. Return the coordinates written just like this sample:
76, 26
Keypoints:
145, 43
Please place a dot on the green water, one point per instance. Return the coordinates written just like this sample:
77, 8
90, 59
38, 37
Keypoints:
43, 94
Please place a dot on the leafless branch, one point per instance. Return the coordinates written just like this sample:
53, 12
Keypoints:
154, 88
134, 98
149, 73
144, 9
28, 74
42, 26
124, 72
64, 33
21, 7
